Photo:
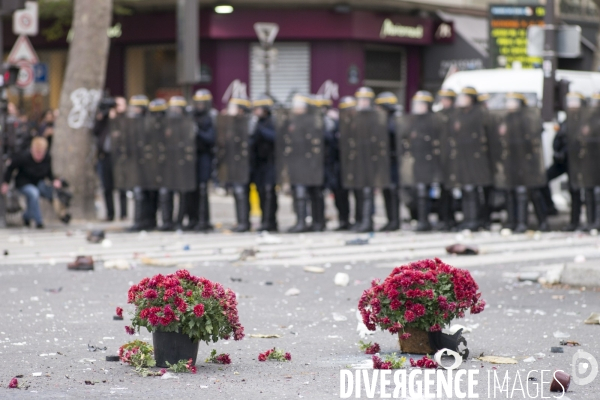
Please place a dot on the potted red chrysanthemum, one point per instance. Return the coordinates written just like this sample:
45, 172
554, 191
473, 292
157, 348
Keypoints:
181, 310
417, 300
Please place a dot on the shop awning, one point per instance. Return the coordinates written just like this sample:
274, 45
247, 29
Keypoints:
474, 30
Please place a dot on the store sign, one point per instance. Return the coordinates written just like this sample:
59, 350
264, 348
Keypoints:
508, 35
389, 29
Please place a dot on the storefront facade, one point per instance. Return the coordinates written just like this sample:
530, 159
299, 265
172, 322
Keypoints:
352, 49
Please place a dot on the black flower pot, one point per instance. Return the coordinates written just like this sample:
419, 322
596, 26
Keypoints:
439, 340
172, 347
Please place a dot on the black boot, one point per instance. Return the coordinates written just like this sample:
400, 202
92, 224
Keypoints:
300, 197
575, 211
358, 208
166, 210
191, 206
123, 204
342, 204
511, 210
366, 225
317, 205
484, 218
423, 207
596, 224
151, 209
522, 203
242, 208
590, 209
392, 208
138, 210
539, 205
470, 208
268, 205
548, 202
446, 214
203, 210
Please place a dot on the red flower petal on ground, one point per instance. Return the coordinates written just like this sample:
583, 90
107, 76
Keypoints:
288, 356
262, 357
14, 384
119, 312
373, 349
129, 330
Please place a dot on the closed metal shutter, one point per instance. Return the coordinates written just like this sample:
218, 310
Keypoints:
291, 73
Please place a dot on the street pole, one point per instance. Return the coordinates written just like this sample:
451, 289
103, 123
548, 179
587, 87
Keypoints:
267, 70
550, 61
3, 102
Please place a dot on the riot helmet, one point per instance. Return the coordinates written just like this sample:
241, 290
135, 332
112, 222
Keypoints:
388, 101
157, 106
467, 97
262, 105
421, 102
301, 104
202, 101
595, 100
575, 100
364, 98
238, 106
138, 105
322, 102
177, 106
515, 101
446, 98
347, 102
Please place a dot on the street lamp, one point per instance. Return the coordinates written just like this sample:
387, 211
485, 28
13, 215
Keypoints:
223, 9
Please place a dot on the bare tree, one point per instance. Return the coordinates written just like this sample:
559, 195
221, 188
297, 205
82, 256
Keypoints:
72, 148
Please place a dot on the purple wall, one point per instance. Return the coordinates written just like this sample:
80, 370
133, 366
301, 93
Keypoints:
115, 71
413, 73
231, 58
331, 60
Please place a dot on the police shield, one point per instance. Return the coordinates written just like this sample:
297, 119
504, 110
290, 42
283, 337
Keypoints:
466, 142
232, 149
583, 132
300, 148
152, 152
120, 153
180, 172
418, 142
364, 149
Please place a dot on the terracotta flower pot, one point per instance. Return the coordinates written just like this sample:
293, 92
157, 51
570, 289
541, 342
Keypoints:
417, 343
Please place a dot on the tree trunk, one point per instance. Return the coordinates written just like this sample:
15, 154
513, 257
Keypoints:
73, 145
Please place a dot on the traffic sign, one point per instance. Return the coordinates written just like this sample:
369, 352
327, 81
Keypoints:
25, 22
23, 51
266, 32
41, 73
26, 76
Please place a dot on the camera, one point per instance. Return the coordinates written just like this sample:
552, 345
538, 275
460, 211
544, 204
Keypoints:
107, 103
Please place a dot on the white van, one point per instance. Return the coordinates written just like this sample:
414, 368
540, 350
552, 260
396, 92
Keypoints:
530, 82
526, 81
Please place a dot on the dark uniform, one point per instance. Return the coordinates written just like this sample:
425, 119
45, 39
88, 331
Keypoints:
332, 163
583, 146
262, 162
143, 200
301, 161
419, 150
391, 195
517, 157
196, 202
446, 98
467, 162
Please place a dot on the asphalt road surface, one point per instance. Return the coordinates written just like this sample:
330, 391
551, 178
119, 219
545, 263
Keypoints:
49, 315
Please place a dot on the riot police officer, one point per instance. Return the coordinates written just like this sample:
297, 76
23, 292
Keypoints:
153, 169
468, 165
233, 156
446, 99
176, 110
347, 108
583, 146
420, 158
389, 103
517, 158
302, 136
199, 210
262, 161
136, 113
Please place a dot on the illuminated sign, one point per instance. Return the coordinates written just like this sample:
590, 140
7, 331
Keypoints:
402, 31
508, 35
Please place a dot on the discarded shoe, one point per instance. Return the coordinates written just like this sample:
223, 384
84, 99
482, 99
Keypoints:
81, 263
95, 236
462, 250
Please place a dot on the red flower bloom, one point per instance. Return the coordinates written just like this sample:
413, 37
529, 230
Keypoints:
405, 336
435, 328
14, 384
288, 356
119, 312
373, 349
409, 316
150, 294
199, 310
262, 357
193, 369
129, 330
223, 359
189, 293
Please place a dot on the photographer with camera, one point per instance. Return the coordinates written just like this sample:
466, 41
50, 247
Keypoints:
108, 109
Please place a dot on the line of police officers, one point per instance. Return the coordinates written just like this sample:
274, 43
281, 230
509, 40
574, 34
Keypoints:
463, 151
